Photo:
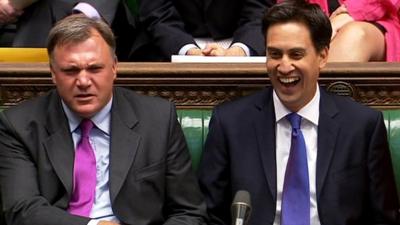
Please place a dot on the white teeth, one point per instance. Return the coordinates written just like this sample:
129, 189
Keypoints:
288, 80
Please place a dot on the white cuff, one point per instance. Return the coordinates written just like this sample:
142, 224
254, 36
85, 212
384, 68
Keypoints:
186, 48
88, 10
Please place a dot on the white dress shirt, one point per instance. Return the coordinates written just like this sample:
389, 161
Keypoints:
309, 128
99, 138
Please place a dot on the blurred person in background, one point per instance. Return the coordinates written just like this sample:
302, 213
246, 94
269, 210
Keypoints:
35, 18
363, 30
200, 27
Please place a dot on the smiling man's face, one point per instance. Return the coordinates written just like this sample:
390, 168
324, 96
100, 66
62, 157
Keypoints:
84, 74
293, 63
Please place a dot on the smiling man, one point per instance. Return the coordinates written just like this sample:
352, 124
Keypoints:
305, 156
89, 153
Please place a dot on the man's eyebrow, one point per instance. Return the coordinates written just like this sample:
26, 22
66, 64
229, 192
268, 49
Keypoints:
96, 65
297, 49
69, 67
273, 49
91, 66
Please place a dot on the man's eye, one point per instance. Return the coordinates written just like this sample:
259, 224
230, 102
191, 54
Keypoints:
95, 69
297, 55
274, 55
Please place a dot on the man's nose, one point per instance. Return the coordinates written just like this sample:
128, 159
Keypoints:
285, 66
83, 79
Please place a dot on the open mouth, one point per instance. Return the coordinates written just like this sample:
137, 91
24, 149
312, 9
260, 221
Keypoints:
289, 81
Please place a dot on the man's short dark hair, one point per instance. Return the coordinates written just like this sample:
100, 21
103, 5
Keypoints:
78, 28
300, 11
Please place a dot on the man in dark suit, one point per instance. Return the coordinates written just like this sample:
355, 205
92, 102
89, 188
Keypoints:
36, 20
141, 167
343, 150
170, 27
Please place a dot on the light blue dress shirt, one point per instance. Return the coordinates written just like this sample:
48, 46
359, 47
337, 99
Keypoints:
99, 138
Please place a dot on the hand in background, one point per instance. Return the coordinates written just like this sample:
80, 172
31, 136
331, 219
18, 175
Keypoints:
102, 222
194, 51
235, 51
8, 14
339, 18
214, 49
340, 10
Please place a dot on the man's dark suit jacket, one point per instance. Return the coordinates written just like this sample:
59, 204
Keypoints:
171, 24
354, 179
34, 25
151, 178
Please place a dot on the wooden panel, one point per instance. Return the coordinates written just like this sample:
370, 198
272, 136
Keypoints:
205, 85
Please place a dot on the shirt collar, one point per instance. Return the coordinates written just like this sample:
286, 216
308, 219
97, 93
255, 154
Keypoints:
309, 112
101, 119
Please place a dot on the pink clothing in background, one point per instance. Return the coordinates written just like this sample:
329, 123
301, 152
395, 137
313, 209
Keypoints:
383, 12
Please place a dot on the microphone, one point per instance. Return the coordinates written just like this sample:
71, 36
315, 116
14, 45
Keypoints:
241, 208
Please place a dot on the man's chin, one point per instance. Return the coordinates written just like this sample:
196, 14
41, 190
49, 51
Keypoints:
85, 111
290, 101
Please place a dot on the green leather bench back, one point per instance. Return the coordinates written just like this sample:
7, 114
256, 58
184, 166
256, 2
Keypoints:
392, 122
194, 123
195, 127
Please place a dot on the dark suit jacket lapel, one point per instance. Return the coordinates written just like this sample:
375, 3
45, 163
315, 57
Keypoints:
327, 134
264, 123
124, 142
59, 144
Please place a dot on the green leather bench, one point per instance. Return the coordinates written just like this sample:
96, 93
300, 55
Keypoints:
195, 127
392, 121
194, 123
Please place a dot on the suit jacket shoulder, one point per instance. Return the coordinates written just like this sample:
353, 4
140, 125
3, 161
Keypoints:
142, 105
241, 106
346, 109
35, 110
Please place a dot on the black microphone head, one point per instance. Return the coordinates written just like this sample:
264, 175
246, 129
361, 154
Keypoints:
241, 207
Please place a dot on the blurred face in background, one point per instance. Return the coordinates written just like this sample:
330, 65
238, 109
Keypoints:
293, 63
84, 74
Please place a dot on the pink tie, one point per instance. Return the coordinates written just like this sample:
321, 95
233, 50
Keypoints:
84, 174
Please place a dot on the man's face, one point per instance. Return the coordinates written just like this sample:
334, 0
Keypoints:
293, 63
84, 74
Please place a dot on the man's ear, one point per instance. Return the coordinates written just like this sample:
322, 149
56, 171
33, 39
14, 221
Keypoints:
53, 78
323, 55
114, 67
